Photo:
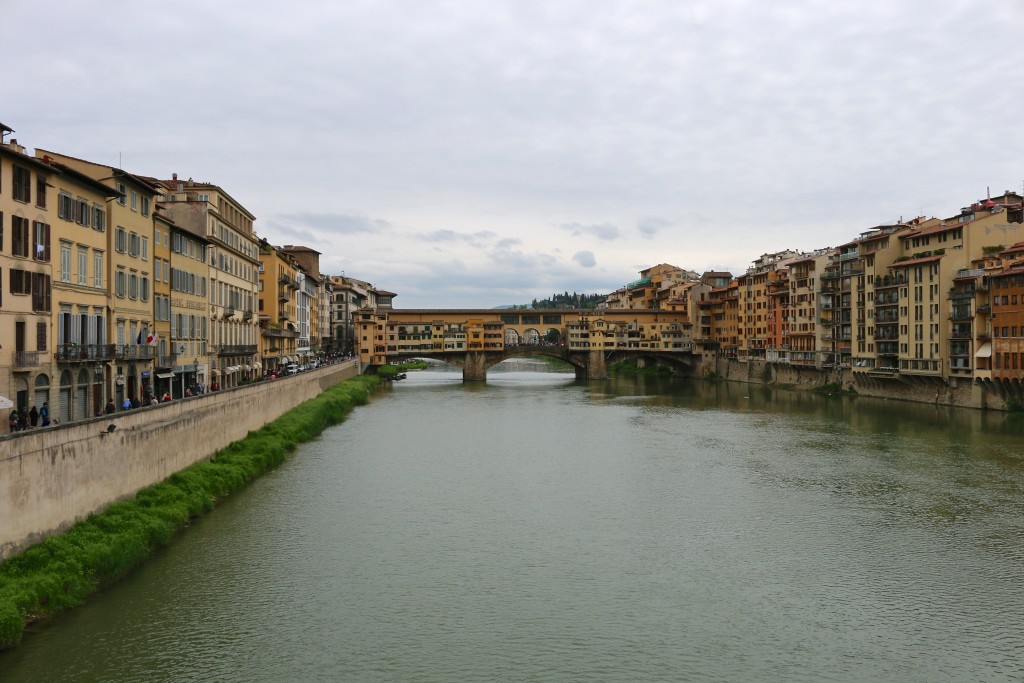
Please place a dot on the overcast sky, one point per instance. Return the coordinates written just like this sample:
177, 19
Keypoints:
474, 154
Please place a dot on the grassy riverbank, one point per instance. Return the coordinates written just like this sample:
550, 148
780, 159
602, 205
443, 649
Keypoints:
392, 371
62, 571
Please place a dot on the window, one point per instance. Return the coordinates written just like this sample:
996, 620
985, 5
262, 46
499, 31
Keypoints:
144, 250
121, 283
40, 292
65, 206
121, 240
22, 184
133, 244
41, 336
41, 241
145, 206
97, 269
99, 218
144, 288
65, 262
83, 212
83, 266
21, 282
133, 286
122, 189
41, 191
135, 200
19, 236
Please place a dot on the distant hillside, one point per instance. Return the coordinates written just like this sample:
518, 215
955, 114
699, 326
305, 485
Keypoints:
567, 300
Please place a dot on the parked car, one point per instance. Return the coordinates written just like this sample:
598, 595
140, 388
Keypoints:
291, 368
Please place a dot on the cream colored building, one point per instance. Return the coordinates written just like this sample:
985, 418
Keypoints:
85, 357
233, 260
130, 271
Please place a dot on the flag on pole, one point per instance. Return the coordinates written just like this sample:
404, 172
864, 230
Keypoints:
153, 339
138, 340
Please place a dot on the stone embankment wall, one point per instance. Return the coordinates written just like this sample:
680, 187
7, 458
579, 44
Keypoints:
52, 477
955, 392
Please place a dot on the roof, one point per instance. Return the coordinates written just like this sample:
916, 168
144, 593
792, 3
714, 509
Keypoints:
916, 261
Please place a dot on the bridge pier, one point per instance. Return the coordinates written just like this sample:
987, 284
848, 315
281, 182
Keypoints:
596, 367
475, 368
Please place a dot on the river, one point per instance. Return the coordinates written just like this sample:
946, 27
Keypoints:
536, 528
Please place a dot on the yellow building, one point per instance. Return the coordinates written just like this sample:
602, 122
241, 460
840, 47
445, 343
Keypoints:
164, 359
277, 294
190, 317
84, 354
130, 270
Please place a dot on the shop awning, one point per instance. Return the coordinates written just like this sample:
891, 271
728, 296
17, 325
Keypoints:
215, 372
165, 375
984, 351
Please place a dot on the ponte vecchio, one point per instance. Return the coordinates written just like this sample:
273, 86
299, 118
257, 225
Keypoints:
476, 339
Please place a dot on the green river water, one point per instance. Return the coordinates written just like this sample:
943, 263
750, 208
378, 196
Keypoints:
535, 528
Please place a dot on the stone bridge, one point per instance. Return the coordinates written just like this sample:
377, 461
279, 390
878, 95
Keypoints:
475, 340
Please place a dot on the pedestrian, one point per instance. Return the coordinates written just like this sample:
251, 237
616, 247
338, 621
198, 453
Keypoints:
127, 405
33, 417
14, 420
22, 420
109, 410
44, 414
136, 403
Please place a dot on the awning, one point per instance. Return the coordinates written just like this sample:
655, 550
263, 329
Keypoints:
984, 351
255, 367
215, 372
165, 375
6, 403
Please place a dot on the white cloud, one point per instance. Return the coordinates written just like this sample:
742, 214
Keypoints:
585, 259
507, 136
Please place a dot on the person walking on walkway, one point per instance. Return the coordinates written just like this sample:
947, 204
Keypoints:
44, 414
33, 417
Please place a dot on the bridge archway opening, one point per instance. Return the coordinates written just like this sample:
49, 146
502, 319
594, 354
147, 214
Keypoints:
511, 337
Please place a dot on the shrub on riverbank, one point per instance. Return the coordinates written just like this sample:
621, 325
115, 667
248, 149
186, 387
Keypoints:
629, 368
392, 371
62, 571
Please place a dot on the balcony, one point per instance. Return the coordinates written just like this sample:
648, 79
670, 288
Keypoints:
247, 315
969, 273
961, 295
70, 353
135, 352
272, 332
889, 281
237, 350
26, 359
167, 360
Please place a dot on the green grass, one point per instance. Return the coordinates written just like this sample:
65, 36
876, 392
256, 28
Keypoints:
62, 571
390, 371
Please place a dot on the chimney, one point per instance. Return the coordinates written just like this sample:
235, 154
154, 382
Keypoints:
174, 176
13, 144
